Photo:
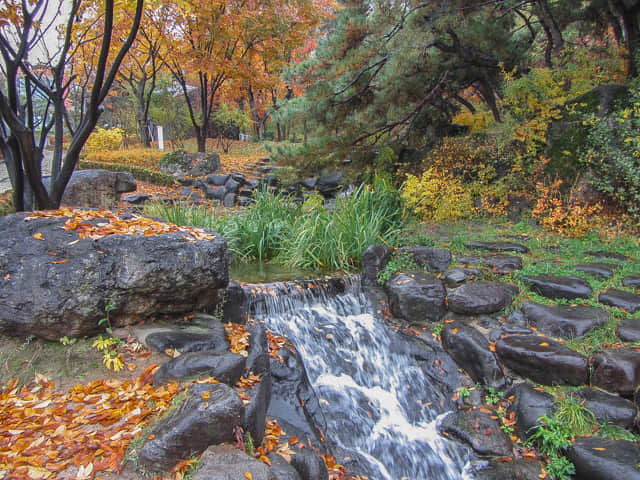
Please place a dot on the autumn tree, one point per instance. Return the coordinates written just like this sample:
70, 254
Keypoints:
37, 74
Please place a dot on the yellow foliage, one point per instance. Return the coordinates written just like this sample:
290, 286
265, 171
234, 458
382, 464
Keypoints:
138, 157
437, 196
102, 139
477, 122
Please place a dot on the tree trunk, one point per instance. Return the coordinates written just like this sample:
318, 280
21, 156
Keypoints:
201, 136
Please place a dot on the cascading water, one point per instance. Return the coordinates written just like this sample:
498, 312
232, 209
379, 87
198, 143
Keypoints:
377, 399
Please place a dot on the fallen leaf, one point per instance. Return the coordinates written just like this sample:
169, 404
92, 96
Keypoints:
248, 476
38, 236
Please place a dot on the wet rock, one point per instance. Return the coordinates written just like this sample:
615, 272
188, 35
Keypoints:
558, 286
628, 301
562, 321
631, 281
217, 179
432, 259
231, 185
602, 459
309, 183
481, 297
455, 277
188, 340
470, 350
516, 323
265, 169
197, 423
531, 403
543, 360
235, 303
310, 466
374, 259
608, 408
602, 270
604, 255
185, 181
498, 246
225, 367
515, 469
498, 262
282, 469
258, 357
479, 430
211, 193
254, 419
329, 183
629, 330
140, 276
229, 200
137, 198
617, 370
226, 462
416, 297
190, 194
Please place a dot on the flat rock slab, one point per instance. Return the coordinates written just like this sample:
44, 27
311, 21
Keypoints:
602, 270
543, 360
432, 259
515, 469
500, 263
617, 370
281, 468
225, 367
608, 408
604, 255
629, 330
564, 322
531, 403
601, 459
310, 465
627, 301
192, 339
498, 246
209, 415
478, 429
550, 286
482, 297
226, 462
631, 281
470, 350
416, 297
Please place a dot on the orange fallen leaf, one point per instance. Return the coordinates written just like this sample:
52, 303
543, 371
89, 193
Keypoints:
61, 261
544, 344
206, 395
38, 236
248, 476
454, 331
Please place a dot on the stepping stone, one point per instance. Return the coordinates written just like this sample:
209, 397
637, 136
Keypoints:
608, 408
187, 340
186, 181
498, 262
470, 350
543, 360
229, 200
617, 370
498, 246
631, 281
232, 185
478, 429
433, 259
482, 297
516, 323
225, 367
455, 277
221, 462
137, 198
416, 297
602, 270
217, 179
629, 302
629, 330
597, 458
558, 287
531, 403
564, 322
516, 468
604, 255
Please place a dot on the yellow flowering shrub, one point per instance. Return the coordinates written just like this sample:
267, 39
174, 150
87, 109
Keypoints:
139, 157
103, 139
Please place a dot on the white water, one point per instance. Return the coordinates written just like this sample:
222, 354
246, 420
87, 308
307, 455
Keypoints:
378, 403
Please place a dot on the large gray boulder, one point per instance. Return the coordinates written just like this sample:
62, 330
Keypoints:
55, 283
226, 462
96, 188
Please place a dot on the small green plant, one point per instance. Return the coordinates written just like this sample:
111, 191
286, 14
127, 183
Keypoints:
464, 392
437, 330
67, 341
109, 307
248, 444
399, 263
493, 397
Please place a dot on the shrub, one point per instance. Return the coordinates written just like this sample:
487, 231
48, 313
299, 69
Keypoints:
138, 157
104, 139
138, 173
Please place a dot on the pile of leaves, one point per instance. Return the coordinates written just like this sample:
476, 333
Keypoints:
47, 435
115, 224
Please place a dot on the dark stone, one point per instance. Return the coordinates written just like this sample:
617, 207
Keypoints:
617, 370
502, 263
531, 403
631, 281
604, 255
543, 360
258, 357
254, 419
238, 177
498, 246
185, 181
629, 330
137, 198
226, 462
310, 466
140, 276
558, 287
602, 270
235, 305
309, 183
206, 163
516, 323
211, 193
432, 259
602, 459
455, 277
251, 184
218, 179
470, 350
374, 259
281, 468
628, 301
608, 408
229, 200
190, 194
265, 169
479, 430
329, 183
188, 340
515, 469
231, 185
481, 297
271, 180
96, 188
563, 321
197, 423
416, 297
225, 367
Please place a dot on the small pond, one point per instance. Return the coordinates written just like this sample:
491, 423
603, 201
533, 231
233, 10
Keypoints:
273, 272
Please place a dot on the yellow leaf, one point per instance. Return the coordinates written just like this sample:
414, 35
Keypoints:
544, 344
248, 476
38, 236
206, 395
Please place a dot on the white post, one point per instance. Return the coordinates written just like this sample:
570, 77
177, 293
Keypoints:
160, 138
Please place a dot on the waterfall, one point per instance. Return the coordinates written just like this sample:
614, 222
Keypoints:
380, 405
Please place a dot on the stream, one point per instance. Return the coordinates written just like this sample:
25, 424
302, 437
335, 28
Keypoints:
379, 403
